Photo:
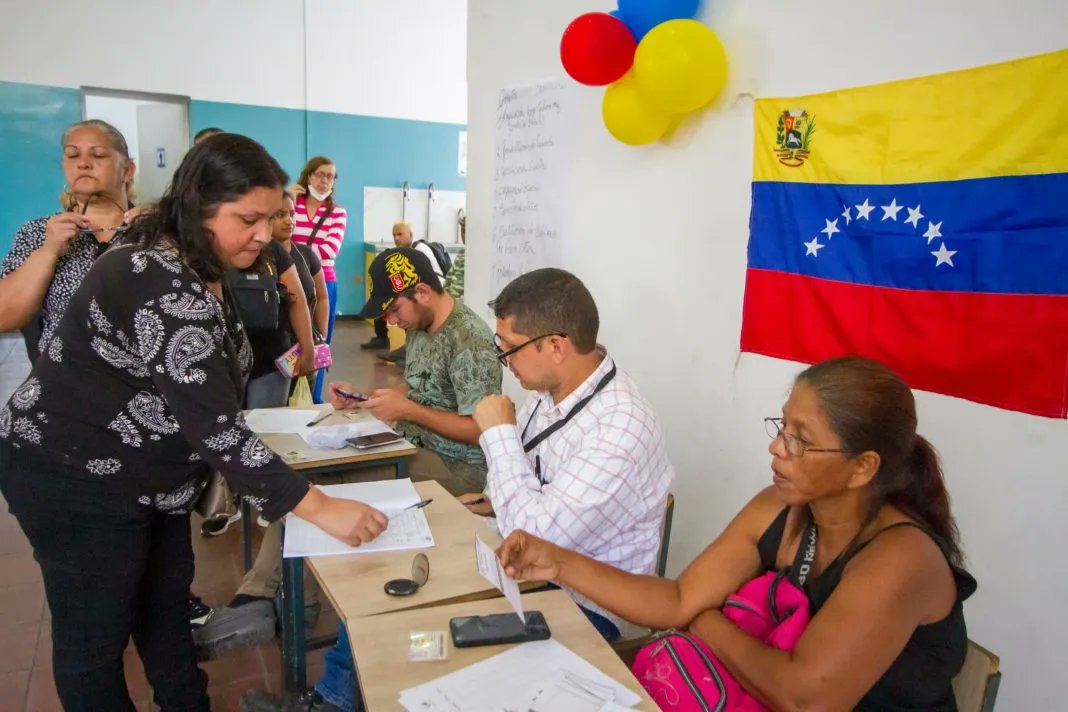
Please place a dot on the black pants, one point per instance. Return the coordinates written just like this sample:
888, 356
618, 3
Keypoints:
113, 569
381, 330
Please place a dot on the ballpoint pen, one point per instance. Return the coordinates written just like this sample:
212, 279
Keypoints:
320, 418
417, 505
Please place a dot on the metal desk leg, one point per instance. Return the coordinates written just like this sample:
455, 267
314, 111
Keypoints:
402, 468
246, 532
294, 663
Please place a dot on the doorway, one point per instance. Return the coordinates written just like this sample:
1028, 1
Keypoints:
156, 128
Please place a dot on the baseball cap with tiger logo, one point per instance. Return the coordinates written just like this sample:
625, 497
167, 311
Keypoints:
393, 272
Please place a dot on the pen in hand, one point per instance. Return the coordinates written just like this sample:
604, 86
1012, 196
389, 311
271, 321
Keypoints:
417, 505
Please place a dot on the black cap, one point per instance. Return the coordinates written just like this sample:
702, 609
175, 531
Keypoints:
392, 272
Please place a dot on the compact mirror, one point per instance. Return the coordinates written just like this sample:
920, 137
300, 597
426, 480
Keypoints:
420, 575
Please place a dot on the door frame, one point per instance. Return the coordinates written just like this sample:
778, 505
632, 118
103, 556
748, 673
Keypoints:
141, 96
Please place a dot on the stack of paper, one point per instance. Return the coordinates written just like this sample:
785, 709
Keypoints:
280, 420
408, 528
542, 676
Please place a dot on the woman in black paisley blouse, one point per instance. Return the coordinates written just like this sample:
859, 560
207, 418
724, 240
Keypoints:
106, 446
51, 255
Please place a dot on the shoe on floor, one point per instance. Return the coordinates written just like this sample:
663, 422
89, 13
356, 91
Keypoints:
375, 343
199, 612
230, 628
307, 701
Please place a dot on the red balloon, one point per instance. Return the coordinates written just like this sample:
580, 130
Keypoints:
597, 49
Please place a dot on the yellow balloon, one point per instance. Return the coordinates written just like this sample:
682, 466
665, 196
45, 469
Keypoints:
680, 66
628, 117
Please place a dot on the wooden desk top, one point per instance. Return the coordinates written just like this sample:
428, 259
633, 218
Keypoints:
380, 646
354, 582
299, 455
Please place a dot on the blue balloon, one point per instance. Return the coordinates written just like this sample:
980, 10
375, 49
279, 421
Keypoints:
615, 14
643, 15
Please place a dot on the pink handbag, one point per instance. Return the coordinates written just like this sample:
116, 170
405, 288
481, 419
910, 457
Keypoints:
680, 672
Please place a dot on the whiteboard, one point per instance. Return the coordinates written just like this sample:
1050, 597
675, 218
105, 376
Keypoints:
383, 206
534, 130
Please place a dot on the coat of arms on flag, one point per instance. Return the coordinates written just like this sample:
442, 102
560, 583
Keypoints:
929, 231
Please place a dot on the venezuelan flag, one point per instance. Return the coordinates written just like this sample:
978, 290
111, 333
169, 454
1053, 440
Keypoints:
923, 223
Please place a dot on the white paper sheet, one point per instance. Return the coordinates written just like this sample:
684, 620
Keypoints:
542, 676
407, 529
280, 420
335, 436
490, 567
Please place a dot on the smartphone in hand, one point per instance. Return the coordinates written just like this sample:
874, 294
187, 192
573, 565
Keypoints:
358, 397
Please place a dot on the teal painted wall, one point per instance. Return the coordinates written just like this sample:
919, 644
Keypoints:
368, 151
32, 121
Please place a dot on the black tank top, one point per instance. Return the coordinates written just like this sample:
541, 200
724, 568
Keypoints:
921, 676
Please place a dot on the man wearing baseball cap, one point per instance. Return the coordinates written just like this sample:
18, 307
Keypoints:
451, 364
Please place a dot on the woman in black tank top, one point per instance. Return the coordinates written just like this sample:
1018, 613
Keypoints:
885, 585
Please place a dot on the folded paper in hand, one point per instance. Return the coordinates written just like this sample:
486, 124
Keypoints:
490, 568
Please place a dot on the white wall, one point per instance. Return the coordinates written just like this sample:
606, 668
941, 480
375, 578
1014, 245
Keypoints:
394, 59
397, 59
246, 51
674, 322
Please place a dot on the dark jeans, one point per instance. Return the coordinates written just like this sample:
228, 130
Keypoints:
113, 569
381, 330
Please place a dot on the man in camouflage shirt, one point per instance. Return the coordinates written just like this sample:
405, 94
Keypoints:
451, 365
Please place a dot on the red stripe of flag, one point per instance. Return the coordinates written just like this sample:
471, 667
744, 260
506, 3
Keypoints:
1006, 350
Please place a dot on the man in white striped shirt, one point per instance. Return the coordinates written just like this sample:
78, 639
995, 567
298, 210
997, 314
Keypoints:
584, 465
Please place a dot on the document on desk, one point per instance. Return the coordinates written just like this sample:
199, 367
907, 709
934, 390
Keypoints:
542, 676
408, 528
280, 420
490, 567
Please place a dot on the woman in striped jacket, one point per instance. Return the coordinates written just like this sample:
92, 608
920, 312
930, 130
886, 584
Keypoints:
320, 223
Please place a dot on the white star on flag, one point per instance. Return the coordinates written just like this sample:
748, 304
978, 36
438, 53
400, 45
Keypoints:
944, 256
847, 214
813, 247
864, 209
914, 216
934, 229
890, 211
832, 227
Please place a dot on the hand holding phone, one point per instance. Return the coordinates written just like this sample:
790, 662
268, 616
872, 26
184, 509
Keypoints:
342, 396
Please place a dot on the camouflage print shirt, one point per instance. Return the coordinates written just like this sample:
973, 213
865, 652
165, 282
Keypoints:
452, 370
454, 280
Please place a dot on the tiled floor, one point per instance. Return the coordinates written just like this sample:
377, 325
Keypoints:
25, 626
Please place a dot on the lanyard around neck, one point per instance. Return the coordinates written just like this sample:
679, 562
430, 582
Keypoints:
540, 437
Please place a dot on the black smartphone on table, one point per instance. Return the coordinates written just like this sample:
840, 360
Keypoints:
362, 442
498, 629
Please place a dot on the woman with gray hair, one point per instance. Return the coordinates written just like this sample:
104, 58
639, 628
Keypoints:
51, 255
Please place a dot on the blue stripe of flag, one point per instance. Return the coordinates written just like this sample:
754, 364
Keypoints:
1006, 234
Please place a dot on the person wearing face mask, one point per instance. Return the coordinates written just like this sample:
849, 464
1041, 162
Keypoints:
51, 255
106, 446
321, 225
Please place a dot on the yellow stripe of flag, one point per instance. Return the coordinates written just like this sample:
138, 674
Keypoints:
998, 120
